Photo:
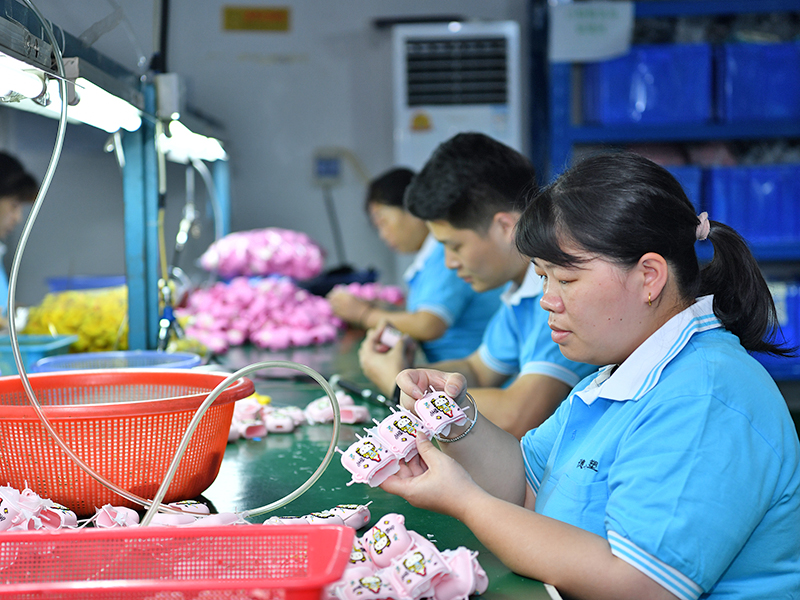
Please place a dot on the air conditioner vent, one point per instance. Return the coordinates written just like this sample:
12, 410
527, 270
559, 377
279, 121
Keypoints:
457, 71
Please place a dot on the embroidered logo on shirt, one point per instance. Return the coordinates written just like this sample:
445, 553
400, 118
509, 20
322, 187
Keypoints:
588, 464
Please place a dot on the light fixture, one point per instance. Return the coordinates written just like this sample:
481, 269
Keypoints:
183, 145
94, 98
95, 106
19, 80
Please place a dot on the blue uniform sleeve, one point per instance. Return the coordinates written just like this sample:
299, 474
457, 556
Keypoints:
439, 290
518, 340
501, 344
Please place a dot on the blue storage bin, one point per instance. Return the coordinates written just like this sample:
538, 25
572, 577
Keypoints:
786, 295
31, 349
127, 359
668, 83
84, 282
760, 202
691, 178
758, 81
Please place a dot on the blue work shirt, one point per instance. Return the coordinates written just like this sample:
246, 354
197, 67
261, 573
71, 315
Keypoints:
685, 459
434, 288
3, 283
517, 340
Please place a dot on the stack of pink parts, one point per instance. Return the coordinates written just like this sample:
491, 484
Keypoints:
374, 458
389, 561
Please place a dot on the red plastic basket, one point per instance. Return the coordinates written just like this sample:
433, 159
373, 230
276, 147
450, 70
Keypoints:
291, 562
126, 425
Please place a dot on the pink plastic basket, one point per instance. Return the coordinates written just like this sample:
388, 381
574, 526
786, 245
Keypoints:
126, 425
258, 562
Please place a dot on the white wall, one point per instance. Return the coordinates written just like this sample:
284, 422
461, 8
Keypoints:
327, 82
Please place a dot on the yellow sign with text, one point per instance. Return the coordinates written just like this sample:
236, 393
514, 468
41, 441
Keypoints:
255, 18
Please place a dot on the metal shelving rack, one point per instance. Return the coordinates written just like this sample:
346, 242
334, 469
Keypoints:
554, 134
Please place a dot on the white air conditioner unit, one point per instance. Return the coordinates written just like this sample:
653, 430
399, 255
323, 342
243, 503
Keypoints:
451, 78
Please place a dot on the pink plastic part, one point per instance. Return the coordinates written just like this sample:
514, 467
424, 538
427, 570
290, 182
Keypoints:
324, 517
353, 515
286, 521
277, 421
250, 429
416, 572
354, 413
387, 539
116, 516
462, 580
370, 461
9, 508
57, 516
438, 411
192, 507
371, 587
390, 336
399, 432
172, 520
217, 519
360, 557
321, 411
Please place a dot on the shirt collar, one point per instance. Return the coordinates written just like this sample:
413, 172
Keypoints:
531, 287
642, 369
428, 246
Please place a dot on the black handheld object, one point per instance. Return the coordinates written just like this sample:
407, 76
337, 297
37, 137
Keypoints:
365, 393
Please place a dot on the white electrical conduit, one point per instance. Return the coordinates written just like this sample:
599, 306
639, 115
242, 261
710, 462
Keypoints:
153, 505
201, 168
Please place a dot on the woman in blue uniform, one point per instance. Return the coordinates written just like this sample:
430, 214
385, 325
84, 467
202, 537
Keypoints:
674, 472
442, 311
17, 186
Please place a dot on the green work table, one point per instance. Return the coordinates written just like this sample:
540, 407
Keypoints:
255, 473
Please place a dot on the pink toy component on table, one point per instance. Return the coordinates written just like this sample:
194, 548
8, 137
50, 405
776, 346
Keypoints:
321, 411
192, 507
277, 420
109, 516
370, 587
353, 413
353, 515
438, 412
418, 570
466, 576
408, 567
387, 539
360, 564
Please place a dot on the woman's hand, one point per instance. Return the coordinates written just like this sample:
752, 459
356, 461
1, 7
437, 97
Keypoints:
348, 307
415, 383
433, 481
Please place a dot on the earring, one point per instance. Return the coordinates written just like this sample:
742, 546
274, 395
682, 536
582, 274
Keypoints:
649, 300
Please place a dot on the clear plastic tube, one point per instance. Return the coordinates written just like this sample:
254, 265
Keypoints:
207, 403
12, 281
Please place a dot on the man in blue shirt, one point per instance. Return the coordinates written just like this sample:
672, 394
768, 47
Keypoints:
471, 193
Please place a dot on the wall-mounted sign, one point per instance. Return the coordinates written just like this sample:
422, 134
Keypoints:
255, 18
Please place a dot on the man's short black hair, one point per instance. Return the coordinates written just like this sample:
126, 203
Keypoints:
468, 179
